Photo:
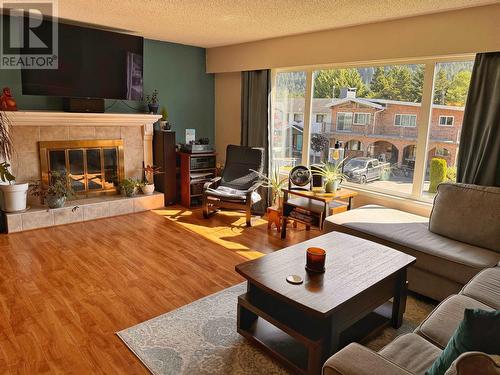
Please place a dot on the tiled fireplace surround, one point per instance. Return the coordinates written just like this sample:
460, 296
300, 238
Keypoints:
30, 127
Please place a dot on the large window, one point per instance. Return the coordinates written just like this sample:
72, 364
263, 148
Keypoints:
451, 86
288, 120
381, 115
374, 112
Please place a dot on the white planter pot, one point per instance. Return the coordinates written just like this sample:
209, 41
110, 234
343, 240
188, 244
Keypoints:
14, 197
148, 189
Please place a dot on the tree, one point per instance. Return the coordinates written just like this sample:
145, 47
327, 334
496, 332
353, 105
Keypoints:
458, 88
381, 85
441, 84
437, 174
402, 80
417, 83
319, 143
326, 81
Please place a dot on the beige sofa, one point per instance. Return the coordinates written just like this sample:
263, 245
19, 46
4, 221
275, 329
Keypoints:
413, 353
461, 238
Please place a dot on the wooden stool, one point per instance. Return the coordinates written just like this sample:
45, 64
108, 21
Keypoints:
274, 217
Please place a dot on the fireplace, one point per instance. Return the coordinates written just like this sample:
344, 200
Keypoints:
92, 167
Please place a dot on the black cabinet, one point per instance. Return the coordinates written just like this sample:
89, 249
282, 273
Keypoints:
164, 156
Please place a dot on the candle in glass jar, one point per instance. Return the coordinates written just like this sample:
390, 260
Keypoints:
315, 259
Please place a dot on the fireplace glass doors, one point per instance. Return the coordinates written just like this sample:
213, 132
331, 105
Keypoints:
92, 167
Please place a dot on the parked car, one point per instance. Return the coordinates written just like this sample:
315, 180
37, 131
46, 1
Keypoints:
364, 169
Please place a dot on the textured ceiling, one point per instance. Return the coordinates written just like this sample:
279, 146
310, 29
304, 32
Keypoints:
210, 23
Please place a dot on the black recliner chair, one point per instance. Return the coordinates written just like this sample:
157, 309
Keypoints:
237, 187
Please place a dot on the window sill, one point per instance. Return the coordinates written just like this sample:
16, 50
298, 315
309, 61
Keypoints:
401, 202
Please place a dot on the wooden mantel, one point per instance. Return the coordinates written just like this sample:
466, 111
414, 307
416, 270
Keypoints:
55, 119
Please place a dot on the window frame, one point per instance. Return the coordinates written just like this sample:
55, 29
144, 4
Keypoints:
423, 122
368, 114
320, 114
410, 115
300, 114
447, 117
337, 122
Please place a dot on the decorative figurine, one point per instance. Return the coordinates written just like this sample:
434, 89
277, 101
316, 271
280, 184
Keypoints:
7, 102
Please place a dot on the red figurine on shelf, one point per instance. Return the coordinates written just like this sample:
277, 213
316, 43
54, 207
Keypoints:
7, 102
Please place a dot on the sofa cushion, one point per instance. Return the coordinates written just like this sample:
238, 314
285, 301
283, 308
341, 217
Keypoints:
355, 359
485, 287
442, 322
440, 255
476, 363
467, 213
411, 352
478, 331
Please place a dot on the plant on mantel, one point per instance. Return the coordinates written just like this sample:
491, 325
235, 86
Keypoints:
153, 102
13, 194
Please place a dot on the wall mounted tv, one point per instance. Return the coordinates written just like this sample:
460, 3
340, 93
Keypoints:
92, 64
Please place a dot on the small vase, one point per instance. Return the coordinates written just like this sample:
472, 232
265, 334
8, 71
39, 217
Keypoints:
55, 202
153, 108
148, 189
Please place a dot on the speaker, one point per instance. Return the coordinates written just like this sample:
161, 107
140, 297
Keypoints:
88, 105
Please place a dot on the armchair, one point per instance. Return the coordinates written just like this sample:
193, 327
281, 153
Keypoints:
237, 187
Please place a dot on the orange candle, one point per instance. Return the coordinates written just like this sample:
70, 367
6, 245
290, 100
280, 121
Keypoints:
315, 259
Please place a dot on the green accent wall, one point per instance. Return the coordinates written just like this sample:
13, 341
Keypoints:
176, 71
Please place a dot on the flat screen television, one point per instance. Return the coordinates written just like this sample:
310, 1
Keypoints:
92, 63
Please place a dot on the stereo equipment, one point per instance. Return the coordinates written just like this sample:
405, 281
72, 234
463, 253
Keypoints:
202, 162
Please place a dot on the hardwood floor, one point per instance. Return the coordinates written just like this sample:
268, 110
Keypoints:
65, 291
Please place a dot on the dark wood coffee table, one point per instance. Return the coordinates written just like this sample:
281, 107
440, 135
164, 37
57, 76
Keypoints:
302, 325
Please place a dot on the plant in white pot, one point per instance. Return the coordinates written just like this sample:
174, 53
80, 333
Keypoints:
13, 194
148, 187
332, 175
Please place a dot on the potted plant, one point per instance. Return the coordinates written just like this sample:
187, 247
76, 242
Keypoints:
153, 103
57, 193
275, 183
129, 186
148, 186
164, 125
331, 173
14, 194
59, 190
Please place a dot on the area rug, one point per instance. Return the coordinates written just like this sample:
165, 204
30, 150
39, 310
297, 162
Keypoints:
201, 338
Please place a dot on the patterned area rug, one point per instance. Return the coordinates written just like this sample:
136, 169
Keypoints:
201, 338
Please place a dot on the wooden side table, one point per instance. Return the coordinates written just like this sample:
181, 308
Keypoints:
311, 207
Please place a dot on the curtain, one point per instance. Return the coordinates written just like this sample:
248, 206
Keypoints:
255, 119
478, 159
